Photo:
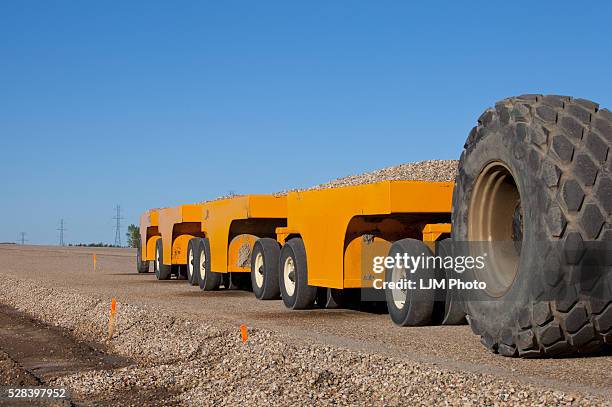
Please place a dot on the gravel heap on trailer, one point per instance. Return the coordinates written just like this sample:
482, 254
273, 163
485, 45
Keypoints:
431, 170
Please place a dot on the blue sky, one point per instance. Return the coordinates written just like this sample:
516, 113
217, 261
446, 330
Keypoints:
151, 103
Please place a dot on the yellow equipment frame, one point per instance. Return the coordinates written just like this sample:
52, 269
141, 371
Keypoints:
233, 223
338, 225
149, 233
342, 228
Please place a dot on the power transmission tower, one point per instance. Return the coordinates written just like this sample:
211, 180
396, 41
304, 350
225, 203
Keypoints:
61, 229
118, 218
22, 238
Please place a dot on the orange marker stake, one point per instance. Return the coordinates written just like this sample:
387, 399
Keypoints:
111, 319
243, 331
94, 262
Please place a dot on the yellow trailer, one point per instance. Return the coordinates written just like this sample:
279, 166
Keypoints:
333, 235
176, 226
218, 235
232, 229
149, 233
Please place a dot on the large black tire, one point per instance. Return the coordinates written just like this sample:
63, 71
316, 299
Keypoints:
162, 271
410, 307
453, 312
193, 262
295, 292
264, 269
180, 270
334, 298
209, 281
141, 266
548, 299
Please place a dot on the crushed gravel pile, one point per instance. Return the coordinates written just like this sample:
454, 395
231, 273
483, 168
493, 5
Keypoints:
205, 362
432, 170
429, 170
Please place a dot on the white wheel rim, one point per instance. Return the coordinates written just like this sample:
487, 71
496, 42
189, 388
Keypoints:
259, 270
190, 264
399, 295
289, 276
157, 259
202, 264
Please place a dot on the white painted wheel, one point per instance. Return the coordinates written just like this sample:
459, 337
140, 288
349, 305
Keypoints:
399, 295
203, 265
259, 270
157, 259
190, 265
289, 276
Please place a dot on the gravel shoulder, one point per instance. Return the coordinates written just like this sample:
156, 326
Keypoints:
187, 342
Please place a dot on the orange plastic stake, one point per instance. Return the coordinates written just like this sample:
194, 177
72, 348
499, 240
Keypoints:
111, 319
243, 331
94, 261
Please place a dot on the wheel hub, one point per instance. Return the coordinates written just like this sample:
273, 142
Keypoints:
495, 226
289, 276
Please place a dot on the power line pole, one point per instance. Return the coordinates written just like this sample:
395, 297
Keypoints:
118, 218
23, 239
61, 229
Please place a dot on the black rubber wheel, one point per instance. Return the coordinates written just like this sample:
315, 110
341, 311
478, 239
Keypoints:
293, 276
141, 266
240, 281
452, 311
193, 262
180, 270
264, 269
209, 281
409, 307
162, 271
332, 298
548, 156
226, 281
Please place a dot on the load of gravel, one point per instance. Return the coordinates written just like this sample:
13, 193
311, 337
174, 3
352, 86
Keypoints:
431, 170
206, 363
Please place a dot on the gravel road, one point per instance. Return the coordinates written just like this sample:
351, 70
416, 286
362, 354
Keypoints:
187, 342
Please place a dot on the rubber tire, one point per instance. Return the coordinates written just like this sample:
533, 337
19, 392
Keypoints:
162, 271
304, 295
270, 251
555, 147
210, 281
419, 304
141, 266
193, 278
240, 281
331, 298
180, 270
453, 312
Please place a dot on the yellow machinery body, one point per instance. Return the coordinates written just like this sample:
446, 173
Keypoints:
342, 228
233, 225
176, 227
149, 233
